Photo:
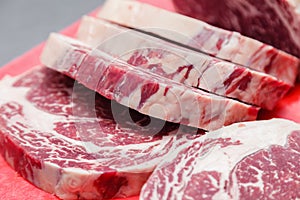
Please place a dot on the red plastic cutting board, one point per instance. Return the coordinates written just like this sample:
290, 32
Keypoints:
14, 187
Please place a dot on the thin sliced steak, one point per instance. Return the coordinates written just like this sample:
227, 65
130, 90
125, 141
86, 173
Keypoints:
183, 65
71, 142
197, 34
143, 91
255, 160
274, 22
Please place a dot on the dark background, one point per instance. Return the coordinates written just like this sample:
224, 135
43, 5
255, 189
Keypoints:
26, 23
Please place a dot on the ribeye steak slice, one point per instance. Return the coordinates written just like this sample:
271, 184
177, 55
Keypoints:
255, 160
227, 45
14, 186
69, 141
274, 22
183, 65
141, 90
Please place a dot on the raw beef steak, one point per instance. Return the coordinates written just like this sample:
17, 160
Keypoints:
143, 91
231, 46
13, 186
69, 141
274, 22
255, 160
183, 65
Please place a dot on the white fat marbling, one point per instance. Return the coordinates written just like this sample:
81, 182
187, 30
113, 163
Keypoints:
253, 137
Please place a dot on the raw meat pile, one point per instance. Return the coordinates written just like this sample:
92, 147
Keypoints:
145, 92
124, 107
183, 65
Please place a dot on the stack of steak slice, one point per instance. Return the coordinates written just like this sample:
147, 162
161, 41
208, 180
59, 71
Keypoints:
141, 90
227, 45
65, 140
183, 65
273, 22
252, 160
